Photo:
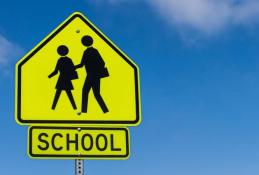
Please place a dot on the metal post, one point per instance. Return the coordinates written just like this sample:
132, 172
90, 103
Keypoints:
79, 167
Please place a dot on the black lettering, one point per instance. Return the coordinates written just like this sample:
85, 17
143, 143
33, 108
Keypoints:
98, 142
53, 142
91, 142
40, 138
112, 144
72, 142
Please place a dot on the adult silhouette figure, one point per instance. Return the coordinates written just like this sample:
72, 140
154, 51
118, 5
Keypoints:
67, 73
95, 67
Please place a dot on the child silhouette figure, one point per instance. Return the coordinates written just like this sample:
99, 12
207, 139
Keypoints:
67, 73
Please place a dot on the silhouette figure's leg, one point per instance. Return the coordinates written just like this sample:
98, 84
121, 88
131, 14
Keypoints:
71, 98
85, 92
57, 95
96, 90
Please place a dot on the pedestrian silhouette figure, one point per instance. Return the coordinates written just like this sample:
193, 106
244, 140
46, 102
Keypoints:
67, 73
95, 68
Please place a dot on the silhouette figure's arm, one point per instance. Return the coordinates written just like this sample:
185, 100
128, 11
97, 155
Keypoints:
54, 72
79, 65
82, 62
101, 62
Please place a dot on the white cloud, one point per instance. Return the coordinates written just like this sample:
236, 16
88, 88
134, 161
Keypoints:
8, 51
205, 16
117, 1
247, 13
208, 16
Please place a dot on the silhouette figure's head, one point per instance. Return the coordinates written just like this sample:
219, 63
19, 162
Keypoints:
62, 50
87, 40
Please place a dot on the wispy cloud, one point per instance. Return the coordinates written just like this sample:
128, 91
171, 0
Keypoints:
8, 50
205, 16
208, 16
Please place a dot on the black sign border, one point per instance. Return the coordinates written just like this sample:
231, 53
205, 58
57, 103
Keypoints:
77, 156
137, 97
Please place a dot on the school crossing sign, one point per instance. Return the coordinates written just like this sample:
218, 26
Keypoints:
73, 84
77, 75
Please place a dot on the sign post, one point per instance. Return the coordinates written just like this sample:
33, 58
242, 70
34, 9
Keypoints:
78, 92
79, 163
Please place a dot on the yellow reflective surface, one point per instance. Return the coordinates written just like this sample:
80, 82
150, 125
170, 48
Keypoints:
35, 91
74, 143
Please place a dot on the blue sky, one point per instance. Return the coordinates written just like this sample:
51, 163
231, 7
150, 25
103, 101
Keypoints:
199, 83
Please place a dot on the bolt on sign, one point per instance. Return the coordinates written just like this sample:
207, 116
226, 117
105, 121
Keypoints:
77, 75
78, 79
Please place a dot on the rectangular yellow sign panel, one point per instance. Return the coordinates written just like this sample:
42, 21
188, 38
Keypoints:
75, 143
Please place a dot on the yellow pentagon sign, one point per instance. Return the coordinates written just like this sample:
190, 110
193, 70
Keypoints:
76, 75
